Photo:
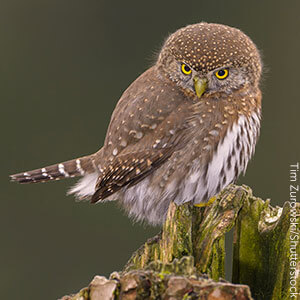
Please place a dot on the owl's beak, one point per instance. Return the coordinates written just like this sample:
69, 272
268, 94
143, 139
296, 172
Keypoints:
200, 85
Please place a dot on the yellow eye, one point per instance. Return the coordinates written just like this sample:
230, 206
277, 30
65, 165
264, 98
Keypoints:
186, 69
222, 74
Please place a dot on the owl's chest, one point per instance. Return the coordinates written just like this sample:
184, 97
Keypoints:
217, 164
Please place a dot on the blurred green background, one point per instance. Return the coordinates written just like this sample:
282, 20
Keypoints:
64, 65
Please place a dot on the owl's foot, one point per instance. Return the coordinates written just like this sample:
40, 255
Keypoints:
208, 203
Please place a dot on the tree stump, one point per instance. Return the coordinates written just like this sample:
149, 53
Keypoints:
186, 259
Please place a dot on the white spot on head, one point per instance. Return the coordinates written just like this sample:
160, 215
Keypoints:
115, 151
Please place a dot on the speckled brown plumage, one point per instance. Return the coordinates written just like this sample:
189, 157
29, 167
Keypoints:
176, 134
206, 47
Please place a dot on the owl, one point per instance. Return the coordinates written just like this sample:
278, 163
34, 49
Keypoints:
182, 131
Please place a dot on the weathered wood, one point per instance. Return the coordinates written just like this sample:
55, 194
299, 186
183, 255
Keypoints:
262, 249
194, 231
174, 241
171, 265
168, 283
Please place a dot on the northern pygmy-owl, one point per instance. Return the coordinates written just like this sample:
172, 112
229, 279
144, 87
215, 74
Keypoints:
182, 131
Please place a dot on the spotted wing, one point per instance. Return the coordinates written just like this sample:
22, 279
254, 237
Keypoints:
149, 123
142, 158
129, 169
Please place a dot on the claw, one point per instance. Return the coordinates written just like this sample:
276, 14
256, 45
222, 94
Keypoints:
208, 203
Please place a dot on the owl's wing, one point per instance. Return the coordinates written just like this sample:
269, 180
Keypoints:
127, 170
143, 158
149, 123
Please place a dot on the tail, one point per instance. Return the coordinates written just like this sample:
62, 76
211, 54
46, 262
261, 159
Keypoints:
71, 168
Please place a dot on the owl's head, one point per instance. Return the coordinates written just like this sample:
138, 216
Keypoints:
210, 57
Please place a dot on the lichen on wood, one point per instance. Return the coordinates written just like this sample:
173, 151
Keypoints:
151, 285
171, 265
261, 249
194, 231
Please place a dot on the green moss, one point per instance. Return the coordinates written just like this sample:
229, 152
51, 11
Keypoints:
117, 292
261, 249
198, 233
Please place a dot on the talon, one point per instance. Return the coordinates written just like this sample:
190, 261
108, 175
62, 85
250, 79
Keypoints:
208, 203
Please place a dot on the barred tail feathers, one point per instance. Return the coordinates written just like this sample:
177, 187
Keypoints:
75, 167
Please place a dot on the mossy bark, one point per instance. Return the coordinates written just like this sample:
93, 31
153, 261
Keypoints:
262, 249
192, 243
194, 231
